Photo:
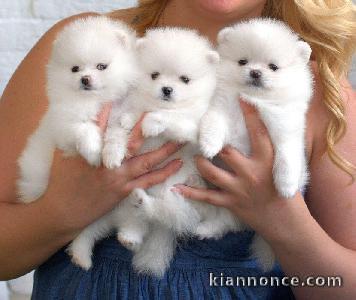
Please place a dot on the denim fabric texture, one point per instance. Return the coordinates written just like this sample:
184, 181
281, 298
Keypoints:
188, 276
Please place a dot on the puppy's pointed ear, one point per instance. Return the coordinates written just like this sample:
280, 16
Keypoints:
304, 51
140, 43
213, 57
223, 34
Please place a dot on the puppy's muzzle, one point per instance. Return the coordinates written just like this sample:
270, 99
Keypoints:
86, 82
256, 76
167, 93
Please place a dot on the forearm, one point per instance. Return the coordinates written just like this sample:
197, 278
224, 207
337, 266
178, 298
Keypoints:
29, 235
305, 249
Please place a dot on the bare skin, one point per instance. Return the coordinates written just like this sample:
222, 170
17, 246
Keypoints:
310, 236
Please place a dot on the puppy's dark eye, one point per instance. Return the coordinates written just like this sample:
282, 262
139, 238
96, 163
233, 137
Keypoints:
273, 67
243, 62
154, 75
75, 69
184, 79
101, 67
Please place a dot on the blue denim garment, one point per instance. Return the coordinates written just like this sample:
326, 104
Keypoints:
188, 277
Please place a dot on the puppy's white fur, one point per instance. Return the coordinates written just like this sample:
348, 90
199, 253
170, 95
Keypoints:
69, 123
281, 97
183, 62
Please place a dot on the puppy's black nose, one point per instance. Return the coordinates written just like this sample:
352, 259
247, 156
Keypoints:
167, 91
256, 74
86, 80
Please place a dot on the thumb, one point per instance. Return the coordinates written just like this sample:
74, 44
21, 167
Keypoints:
103, 116
136, 138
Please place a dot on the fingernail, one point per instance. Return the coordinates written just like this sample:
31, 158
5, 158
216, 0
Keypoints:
225, 151
179, 161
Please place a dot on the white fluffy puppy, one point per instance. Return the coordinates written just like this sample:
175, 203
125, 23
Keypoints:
177, 82
266, 64
91, 63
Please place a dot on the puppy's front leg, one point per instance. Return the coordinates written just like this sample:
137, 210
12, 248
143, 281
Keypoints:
213, 132
115, 146
154, 124
129, 119
288, 167
117, 136
287, 137
89, 142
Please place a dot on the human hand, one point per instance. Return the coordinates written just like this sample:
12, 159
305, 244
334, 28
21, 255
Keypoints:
248, 189
78, 194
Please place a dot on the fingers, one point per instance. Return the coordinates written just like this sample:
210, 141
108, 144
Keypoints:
103, 116
218, 198
156, 176
219, 177
261, 145
239, 163
136, 139
145, 163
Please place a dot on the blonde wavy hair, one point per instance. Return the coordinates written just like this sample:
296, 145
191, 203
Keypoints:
329, 27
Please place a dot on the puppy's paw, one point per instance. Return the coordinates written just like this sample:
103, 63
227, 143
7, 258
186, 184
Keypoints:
128, 121
287, 191
130, 240
286, 183
89, 147
153, 124
143, 202
210, 145
80, 255
92, 157
29, 190
112, 156
137, 197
